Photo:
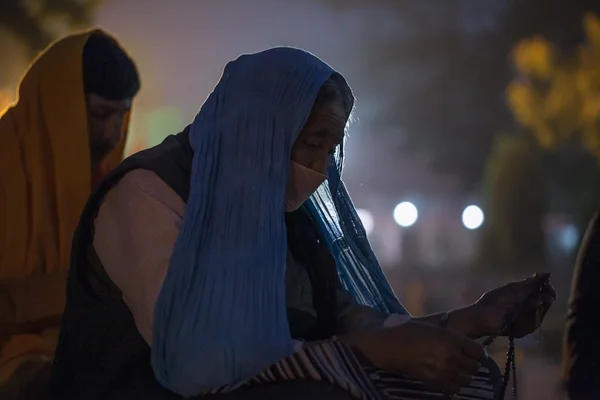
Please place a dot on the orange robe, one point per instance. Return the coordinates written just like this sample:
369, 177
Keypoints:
45, 180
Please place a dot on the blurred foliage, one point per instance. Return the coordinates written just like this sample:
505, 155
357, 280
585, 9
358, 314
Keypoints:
515, 205
558, 100
556, 96
35, 22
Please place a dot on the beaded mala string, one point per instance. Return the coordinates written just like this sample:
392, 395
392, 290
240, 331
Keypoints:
511, 364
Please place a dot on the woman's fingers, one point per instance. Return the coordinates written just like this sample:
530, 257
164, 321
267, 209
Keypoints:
541, 306
462, 369
523, 289
550, 292
455, 379
517, 292
514, 299
472, 350
547, 300
466, 365
461, 379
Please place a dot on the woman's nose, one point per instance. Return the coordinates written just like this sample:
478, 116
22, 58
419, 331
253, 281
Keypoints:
320, 165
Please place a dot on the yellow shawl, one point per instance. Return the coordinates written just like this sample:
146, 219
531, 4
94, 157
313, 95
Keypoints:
45, 180
45, 176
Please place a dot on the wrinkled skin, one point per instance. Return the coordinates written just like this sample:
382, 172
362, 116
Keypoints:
321, 134
495, 306
105, 125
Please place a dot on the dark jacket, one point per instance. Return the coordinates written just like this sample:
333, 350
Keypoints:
581, 347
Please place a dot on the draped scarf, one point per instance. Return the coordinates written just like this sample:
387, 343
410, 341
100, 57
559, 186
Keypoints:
221, 314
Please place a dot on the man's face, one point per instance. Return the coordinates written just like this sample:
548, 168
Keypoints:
105, 125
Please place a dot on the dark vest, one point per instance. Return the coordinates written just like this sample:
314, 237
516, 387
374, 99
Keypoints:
100, 354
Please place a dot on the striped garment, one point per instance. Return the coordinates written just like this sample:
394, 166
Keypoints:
335, 363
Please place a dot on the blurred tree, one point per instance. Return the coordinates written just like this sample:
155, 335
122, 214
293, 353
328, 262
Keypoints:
556, 96
557, 99
515, 205
32, 22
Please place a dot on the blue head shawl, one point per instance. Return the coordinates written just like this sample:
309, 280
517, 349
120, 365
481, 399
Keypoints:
221, 314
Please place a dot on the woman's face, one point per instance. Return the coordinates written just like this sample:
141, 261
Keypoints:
317, 141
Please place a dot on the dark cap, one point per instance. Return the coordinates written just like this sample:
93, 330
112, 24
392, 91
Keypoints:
107, 70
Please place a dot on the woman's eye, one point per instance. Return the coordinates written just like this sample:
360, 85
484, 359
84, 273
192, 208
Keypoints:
313, 145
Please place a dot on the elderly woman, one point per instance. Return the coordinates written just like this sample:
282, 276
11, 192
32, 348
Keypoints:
229, 262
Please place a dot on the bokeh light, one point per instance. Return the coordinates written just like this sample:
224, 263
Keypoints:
406, 214
472, 217
569, 238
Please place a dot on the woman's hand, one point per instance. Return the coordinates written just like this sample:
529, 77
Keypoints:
441, 357
491, 311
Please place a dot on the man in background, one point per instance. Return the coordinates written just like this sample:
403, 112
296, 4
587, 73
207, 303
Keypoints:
581, 345
67, 129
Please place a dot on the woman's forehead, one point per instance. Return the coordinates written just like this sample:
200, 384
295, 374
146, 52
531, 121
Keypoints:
327, 121
332, 113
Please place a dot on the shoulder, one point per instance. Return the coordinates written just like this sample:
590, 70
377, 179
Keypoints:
144, 186
140, 179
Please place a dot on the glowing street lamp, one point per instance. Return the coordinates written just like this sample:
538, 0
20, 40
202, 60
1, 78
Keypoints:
406, 214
